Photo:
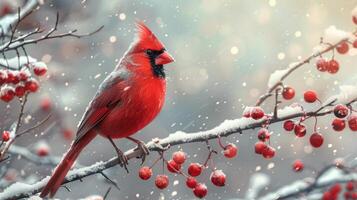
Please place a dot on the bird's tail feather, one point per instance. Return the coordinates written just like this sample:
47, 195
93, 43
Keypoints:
65, 165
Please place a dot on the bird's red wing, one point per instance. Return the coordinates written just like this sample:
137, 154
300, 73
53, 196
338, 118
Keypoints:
100, 107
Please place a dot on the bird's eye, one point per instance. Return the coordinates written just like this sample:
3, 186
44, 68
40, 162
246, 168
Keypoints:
149, 51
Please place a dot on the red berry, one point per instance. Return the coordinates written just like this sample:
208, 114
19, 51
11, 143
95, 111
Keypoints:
200, 190
354, 19
354, 195
322, 64
288, 93
179, 157
354, 44
259, 147
298, 165
45, 103
218, 178
7, 93
194, 169
230, 150
67, 133
333, 67
352, 122
263, 135
316, 140
310, 96
335, 189
268, 152
145, 172
22, 75
20, 90
341, 111
347, 195
3, 77
6, 136
40, 68
191, 182
257, 113
342, 48
246, 112
338, 124
300, 130
289, 125
10, 76
42, 149
161, 181
350, 186
327, 196
173, 167
31, 85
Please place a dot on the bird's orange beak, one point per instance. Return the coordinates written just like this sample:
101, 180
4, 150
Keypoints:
164, 58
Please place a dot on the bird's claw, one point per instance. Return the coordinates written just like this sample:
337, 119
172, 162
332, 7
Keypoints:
123, 160
144, 151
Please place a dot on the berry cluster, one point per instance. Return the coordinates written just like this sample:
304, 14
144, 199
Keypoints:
343, 114
174, 165
334, 191
262, 147
18, 83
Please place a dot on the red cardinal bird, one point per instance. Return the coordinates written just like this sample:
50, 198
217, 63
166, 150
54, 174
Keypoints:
127, 100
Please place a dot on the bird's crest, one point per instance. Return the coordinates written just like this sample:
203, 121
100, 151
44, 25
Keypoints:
145, 38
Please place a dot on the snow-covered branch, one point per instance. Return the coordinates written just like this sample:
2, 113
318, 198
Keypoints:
10, 20
330, 175
228, 127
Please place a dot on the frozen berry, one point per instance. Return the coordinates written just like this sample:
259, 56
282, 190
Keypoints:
145, 172
338, 124
194, 169
23, 75
340, 111
268, 152
352, 122
342, 48
179, 157
173, 167
42, 149
3, 77
300, 130
31, 85
316, 140
333, 66
5, 136
20, 90
40, 68
327, 196
218, 178
289, 125
230, 150
257, 113
7, 93
259, 147
322, 64
200, 190
67, 134
263, 135
191, 182
288, 93
310, 96
161, 181
298, 165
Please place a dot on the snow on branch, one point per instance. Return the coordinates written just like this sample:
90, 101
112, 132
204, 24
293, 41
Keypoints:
10, 20
330, 175
228, 127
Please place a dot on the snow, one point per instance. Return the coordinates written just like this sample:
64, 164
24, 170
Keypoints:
14, 62
347, 94
257, 182
277, 75
333, 35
